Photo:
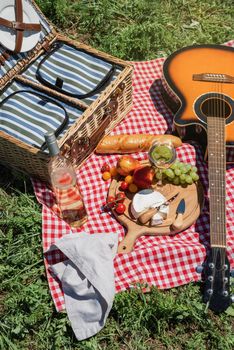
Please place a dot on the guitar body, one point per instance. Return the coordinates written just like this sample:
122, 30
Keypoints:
190, 95
199, 86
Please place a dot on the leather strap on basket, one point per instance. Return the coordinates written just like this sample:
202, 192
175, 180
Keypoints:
18, 19
19, 26
3, 57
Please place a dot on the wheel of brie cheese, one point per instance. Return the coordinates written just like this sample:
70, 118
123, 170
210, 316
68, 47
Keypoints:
147, 199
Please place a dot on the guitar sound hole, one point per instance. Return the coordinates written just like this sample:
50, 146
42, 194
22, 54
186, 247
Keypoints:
216, 107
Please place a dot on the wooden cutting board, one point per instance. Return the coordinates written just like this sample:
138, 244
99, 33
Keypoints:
193, 196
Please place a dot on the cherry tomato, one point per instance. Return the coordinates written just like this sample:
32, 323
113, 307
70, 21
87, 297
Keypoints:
120, 197
124, 185
111, 201
106, 175
129, 179
105, 168
133, 188
113, 171
120, 208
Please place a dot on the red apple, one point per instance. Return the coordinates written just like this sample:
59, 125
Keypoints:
143, 177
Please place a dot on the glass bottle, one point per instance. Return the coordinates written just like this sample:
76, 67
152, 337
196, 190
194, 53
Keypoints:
64, 183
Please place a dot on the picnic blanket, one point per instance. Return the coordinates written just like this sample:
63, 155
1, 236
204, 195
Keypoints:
164, 261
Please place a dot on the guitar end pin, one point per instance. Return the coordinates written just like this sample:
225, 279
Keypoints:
199, 269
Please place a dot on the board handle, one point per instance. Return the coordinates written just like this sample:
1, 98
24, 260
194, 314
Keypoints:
127, 244
178, 223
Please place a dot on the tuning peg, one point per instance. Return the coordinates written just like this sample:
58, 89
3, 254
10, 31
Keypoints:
210, 291
232, 273
199, 269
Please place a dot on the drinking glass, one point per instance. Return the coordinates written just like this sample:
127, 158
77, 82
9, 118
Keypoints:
161, 155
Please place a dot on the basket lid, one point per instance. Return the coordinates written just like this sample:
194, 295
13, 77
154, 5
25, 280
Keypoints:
19, 25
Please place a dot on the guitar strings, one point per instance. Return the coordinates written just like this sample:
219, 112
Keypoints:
216, 126
223, 161
218, 157
210, 129
217, 181
221, 186
215, 192
220, 148
224, 181
215, 199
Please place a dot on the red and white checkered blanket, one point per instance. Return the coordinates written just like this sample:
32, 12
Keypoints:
165, 261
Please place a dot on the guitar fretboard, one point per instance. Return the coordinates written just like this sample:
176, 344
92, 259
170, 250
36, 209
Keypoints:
217, 180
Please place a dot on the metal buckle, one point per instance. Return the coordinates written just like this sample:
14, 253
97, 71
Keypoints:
80, 147
77, 148
17, 25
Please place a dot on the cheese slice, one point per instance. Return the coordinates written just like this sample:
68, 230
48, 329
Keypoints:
157, 219
146, 199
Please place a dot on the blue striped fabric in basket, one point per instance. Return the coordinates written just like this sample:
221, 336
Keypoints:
28, 114
73, 72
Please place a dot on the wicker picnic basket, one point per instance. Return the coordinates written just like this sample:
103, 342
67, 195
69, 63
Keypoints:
97, 116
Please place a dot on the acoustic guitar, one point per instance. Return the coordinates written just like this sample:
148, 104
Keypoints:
198, 86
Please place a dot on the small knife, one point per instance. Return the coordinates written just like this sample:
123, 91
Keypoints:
178, 223
145, 217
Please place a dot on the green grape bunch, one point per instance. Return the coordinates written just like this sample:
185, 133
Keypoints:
178, 173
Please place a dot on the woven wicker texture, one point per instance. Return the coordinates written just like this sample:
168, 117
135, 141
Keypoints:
101, 112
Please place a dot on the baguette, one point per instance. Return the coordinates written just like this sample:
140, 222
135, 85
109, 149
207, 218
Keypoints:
133, 143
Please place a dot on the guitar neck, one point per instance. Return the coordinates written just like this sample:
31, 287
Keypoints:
217, 180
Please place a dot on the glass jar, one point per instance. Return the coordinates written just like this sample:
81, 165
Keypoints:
161, 155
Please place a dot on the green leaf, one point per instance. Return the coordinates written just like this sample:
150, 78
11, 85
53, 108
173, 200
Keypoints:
230, 310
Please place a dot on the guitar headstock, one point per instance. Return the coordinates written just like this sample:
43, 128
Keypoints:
216, 276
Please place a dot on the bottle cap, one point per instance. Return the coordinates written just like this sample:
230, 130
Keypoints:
52, 143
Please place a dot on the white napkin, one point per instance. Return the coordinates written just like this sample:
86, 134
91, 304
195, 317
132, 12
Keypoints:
87, 279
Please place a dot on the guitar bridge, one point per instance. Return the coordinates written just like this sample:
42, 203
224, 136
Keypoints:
215, 78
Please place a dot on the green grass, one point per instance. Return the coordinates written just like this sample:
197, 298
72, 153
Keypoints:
174, 319
143, 29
